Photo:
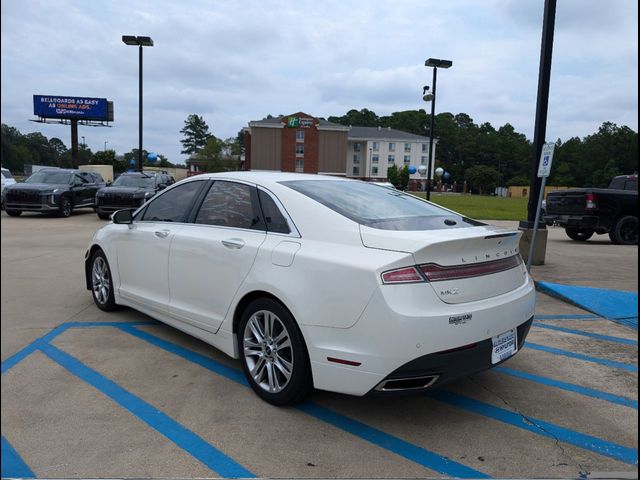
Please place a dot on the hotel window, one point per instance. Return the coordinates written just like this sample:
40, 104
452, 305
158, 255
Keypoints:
407, 147
391, 159
425, 148
424, 160
356, 159
407, 159
374, 171
299, 135
375, 158
392, 147
356, 147
299, 165
376, 146
356, 170
299, 150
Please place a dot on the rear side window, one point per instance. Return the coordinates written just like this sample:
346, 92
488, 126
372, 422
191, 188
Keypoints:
174, 205
376, 207
272, 215
230, 204
617, 183
632, 184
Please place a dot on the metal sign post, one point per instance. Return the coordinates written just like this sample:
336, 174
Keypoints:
544, 169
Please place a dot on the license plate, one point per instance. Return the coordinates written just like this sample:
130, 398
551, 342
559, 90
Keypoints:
505, 345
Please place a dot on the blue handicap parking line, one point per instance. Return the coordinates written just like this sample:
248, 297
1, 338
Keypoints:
381, 439
405, 449
12, 465
539, 427
611, 304
571, 387
587, 358
178, 434
597, 336
565, 317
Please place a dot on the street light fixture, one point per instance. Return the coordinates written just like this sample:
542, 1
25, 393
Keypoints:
435, 63
140, 42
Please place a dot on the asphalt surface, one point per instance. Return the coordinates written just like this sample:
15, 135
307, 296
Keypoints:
92, 394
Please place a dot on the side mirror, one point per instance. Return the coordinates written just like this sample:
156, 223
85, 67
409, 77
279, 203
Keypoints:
109, 183
123, 217
162, 186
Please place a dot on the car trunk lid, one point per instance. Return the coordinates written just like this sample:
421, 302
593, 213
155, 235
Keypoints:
462, 264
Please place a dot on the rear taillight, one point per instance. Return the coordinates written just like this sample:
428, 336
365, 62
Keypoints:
438, 273
592, 201
433, 272
402, 275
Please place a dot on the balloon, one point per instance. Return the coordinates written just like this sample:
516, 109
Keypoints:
132, 162
439, 171
422, 170
412, 169
152, 157
446, 175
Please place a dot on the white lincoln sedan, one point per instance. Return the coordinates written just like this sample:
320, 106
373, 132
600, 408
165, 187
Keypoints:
319, 282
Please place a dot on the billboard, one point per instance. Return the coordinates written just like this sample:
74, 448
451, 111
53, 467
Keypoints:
80, 108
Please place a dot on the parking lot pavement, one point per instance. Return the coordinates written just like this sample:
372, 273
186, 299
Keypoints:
91, 394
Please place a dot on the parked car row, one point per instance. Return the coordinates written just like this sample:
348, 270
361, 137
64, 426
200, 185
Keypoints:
60, 191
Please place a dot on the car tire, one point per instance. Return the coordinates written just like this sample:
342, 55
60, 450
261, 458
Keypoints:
65, 207
13, 213
273, 353
102, 282
103, 216
625, 231
579, 234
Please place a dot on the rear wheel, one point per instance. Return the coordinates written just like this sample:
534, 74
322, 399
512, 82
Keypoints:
273, 354
103, 216
625, 231
14, 213
101, 282
579, 234
65, 207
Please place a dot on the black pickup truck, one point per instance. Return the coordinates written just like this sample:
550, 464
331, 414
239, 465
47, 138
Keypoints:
585, 211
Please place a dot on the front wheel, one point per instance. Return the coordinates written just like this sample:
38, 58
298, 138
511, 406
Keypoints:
625, 231
101, 282
65, 207
103, 216
13, 213
273, 354
579, 234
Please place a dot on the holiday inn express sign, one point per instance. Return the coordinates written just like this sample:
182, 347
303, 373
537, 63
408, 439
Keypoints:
299, 122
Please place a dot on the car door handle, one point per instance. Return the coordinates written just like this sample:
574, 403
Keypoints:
162, 233
236, 243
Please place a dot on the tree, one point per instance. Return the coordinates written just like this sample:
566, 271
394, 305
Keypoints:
404, 177
393, 175
217, 156
104, 157
196, 133
482, 178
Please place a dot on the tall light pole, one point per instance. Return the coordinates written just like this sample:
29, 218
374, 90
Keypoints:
139, 42
435, 63
84, 145
105, 145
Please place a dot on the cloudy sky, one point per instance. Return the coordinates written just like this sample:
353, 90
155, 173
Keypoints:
237, 61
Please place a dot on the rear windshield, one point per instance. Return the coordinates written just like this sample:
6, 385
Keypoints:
134, 181
52, 177
383, 208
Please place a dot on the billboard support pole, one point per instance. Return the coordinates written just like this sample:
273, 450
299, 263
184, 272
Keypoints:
140, 112
74, 143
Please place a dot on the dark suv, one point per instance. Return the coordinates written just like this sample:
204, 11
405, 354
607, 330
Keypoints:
53, 190
129, 190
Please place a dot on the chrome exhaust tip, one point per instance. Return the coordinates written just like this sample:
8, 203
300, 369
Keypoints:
408, 383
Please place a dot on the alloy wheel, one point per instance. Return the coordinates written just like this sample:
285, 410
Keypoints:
268, 351
101, 280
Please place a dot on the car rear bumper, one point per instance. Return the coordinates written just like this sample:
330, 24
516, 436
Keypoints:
415, 335
578, 221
